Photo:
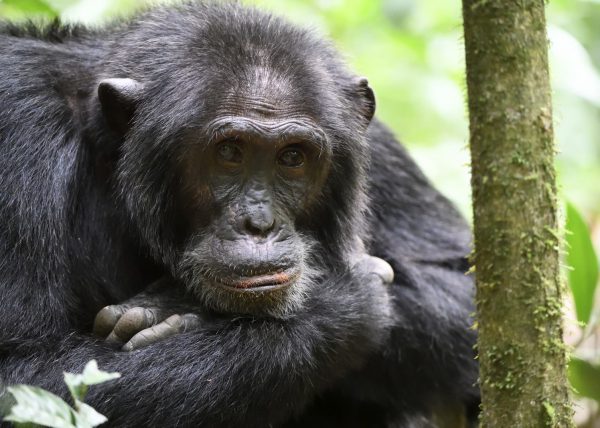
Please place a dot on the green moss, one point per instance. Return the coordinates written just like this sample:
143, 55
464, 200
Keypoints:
550, 412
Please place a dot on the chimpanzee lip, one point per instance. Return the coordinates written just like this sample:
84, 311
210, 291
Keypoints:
259, 283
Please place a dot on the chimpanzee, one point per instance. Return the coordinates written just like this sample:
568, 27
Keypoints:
213, 175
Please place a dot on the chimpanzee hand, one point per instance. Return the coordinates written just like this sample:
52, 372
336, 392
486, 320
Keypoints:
370, 265
155, 314
163, 310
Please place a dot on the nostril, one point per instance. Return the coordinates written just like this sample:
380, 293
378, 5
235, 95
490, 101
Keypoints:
251, 228
259, 226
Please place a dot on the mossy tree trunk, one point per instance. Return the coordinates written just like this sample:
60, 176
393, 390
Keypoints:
521, 352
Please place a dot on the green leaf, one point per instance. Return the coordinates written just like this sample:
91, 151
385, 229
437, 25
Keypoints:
87, 416
93, 376
40, 407
585, 378
78, 383
582, 258
77, 388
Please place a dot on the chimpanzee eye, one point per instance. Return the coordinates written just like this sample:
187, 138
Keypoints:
230, 153
291, 158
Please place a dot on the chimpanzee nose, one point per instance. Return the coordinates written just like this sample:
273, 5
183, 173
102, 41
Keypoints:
257, 216
259, 223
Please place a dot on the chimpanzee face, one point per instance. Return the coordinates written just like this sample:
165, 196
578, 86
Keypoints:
247, 178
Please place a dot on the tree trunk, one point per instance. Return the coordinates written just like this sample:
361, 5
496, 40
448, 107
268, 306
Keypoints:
519, 292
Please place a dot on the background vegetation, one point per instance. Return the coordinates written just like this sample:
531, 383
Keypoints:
412, 53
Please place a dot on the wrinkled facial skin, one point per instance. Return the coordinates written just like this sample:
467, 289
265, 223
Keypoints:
247, 182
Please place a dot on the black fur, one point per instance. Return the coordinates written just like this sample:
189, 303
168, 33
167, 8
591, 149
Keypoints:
87, 221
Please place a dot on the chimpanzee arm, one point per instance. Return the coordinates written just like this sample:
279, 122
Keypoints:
240, 372
165, 308
429, 358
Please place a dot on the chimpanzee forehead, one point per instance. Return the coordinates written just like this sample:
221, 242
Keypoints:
262, 91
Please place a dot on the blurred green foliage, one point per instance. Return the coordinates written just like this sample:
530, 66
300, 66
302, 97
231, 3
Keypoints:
583, 264
585, 378
584, 370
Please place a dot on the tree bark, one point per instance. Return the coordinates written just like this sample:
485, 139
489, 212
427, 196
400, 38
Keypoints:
519, 292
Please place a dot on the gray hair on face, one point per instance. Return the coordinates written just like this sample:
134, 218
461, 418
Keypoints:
202, 281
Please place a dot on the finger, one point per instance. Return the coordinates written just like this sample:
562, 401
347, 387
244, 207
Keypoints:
383, 269
375, 265
170, 327
190, 322
107, 318
173, 325
131, 322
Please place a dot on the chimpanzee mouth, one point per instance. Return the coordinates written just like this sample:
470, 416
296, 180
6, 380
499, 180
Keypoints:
259, 283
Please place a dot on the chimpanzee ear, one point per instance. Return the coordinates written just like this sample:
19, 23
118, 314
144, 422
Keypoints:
119, 98
367, 98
